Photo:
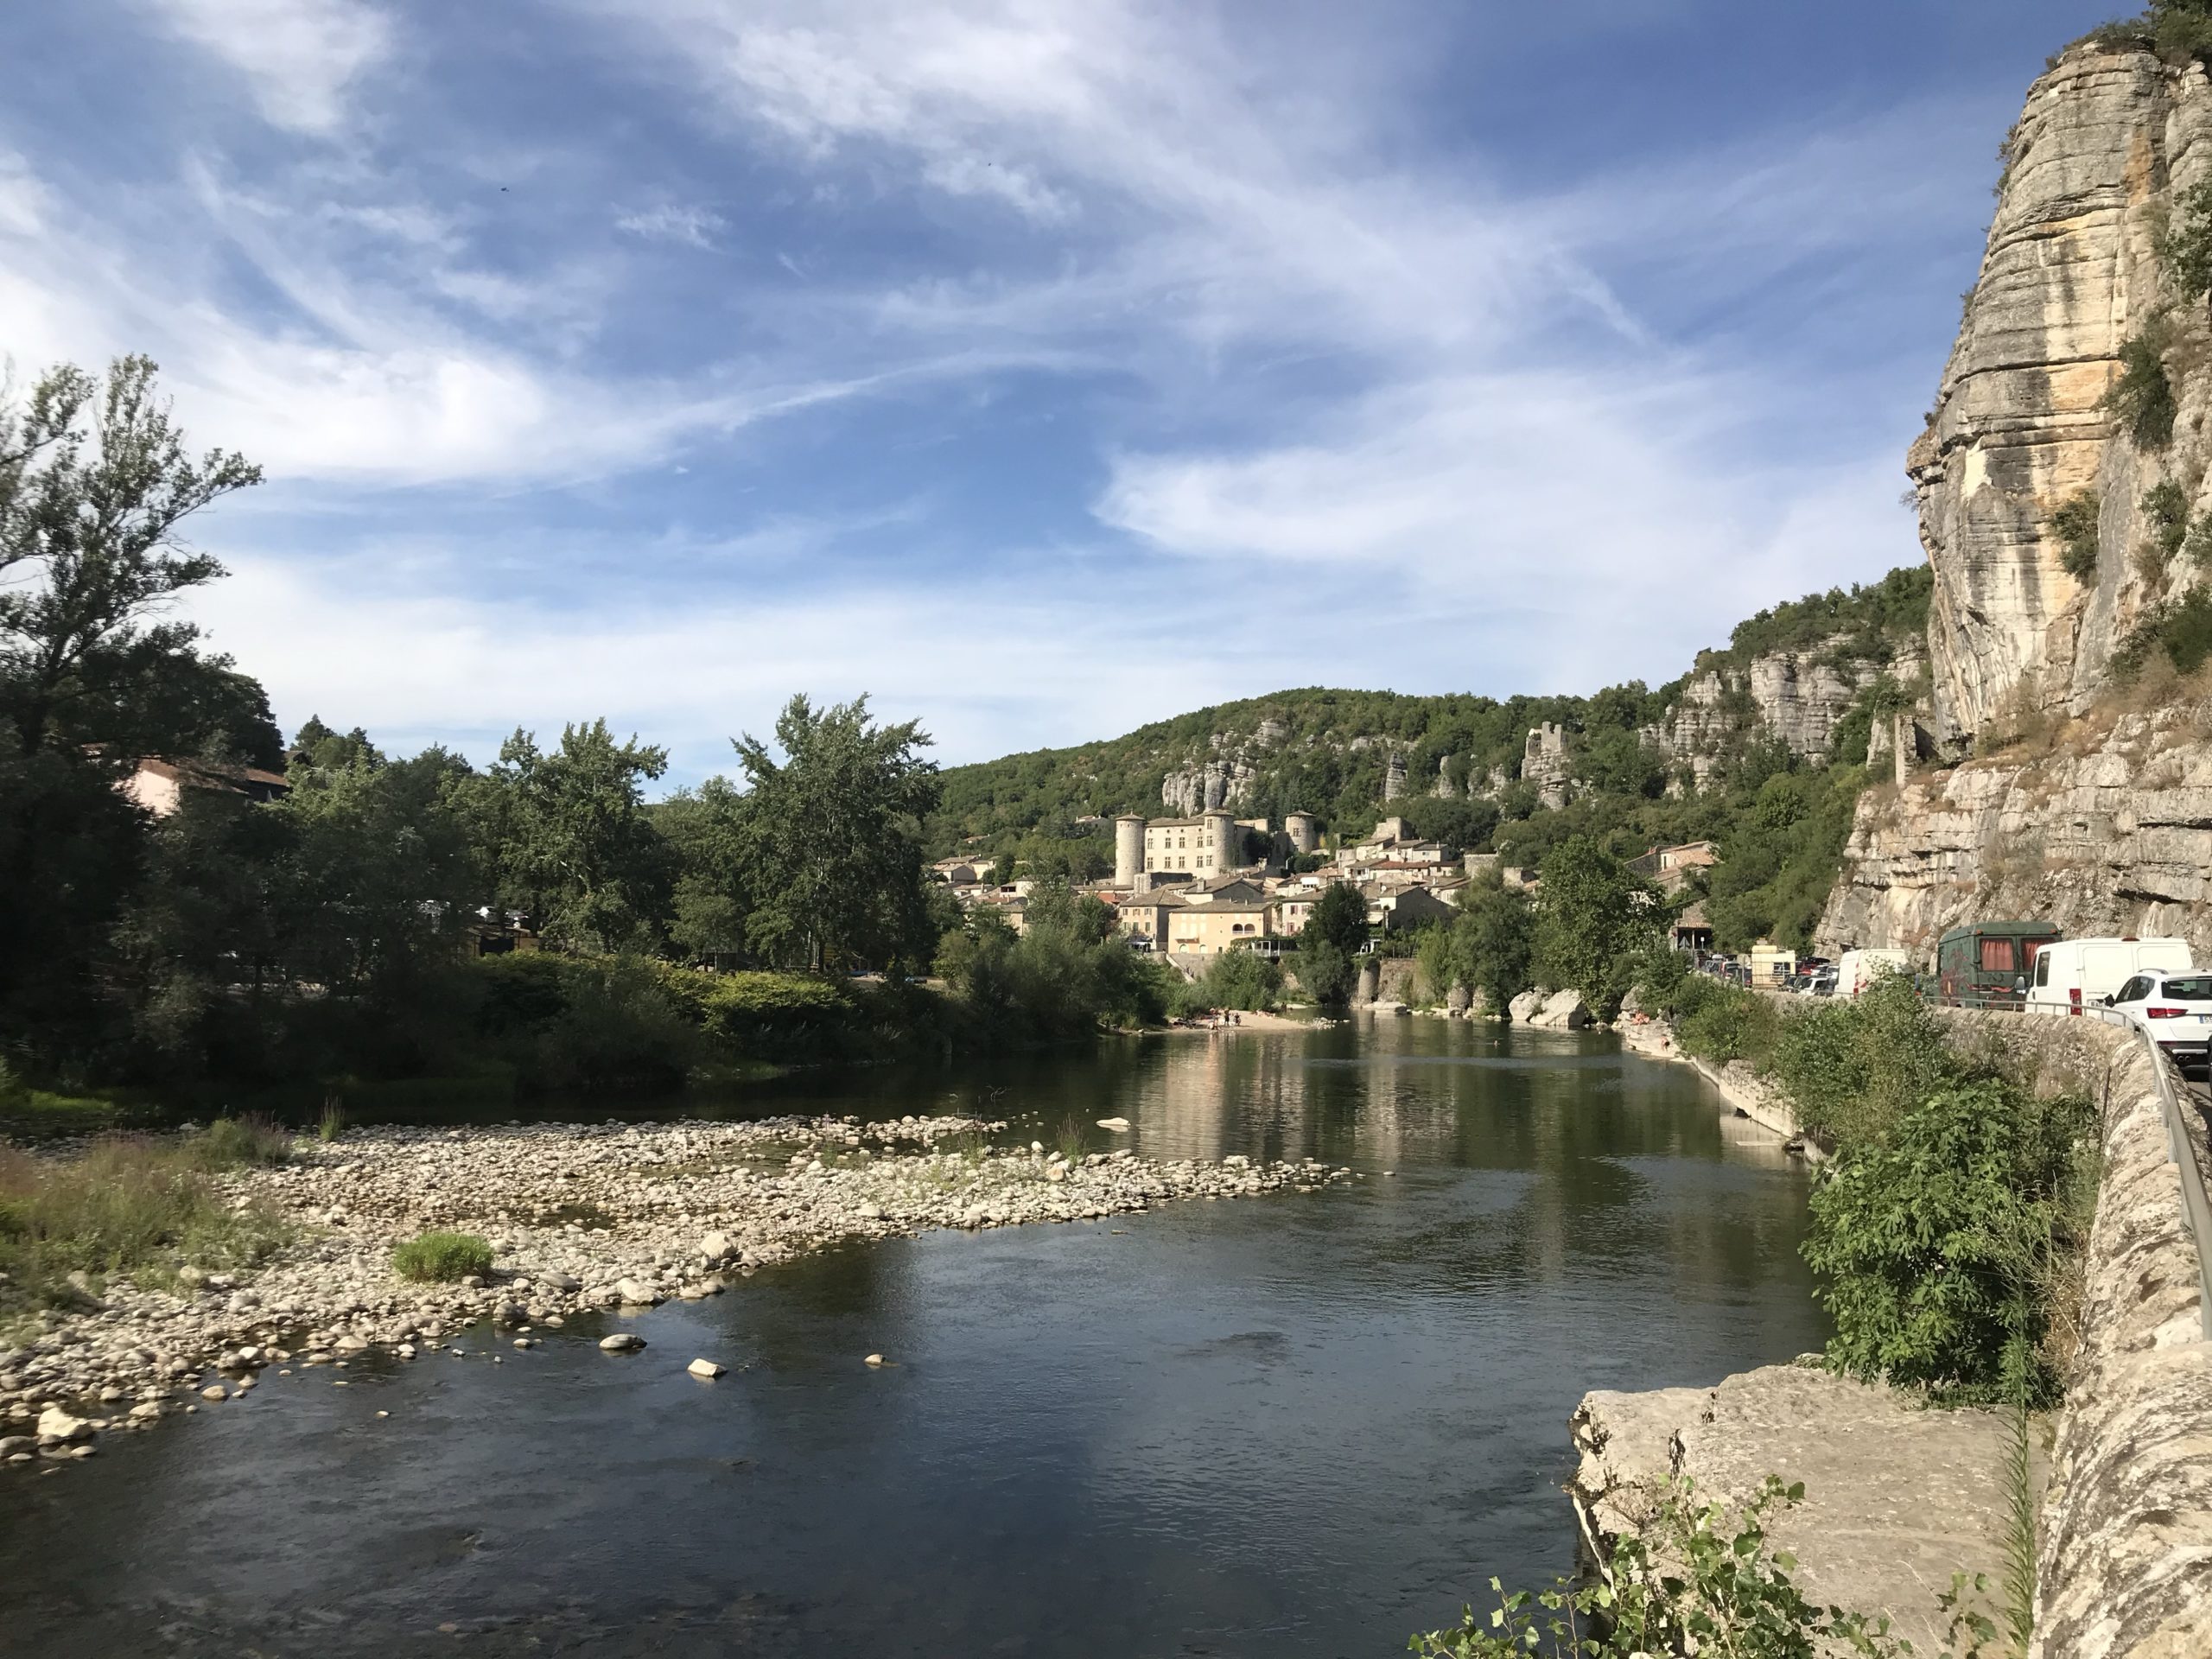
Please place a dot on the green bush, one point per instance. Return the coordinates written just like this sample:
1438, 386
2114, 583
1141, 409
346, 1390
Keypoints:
1234, 979
1933, 1242
1700, 1578
2074, 523
2165, 507
1854, 1066
441, 1258
2182, 631
2143, 397
1721, 1023
229, 1142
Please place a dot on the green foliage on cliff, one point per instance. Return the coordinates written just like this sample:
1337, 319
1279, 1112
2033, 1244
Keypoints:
2165, 507
2074, 523
2143, 397
1873, 618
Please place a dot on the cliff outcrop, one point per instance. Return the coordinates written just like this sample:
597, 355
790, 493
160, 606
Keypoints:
1797, 698
2111, 137
2087, 797
2104, 827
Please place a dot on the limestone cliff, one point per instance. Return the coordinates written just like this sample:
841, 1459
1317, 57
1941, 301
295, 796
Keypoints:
2103, 826
2109, 139
2087, 799
1793, 697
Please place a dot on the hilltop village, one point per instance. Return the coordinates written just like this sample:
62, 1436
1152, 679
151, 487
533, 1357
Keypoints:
1191, 888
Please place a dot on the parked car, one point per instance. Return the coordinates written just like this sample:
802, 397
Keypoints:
1820, 984
2175, 1010
2070, 973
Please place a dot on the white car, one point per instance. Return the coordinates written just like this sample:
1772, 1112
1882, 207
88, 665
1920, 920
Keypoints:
2174, 1009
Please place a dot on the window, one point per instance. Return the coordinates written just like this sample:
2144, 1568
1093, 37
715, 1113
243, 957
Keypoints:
2042, 969
2197, 988
1997, 955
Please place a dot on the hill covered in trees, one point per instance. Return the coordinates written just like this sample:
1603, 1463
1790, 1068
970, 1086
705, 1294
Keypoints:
1454, 765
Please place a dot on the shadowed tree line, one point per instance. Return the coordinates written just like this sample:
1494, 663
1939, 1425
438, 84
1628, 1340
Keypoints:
331, 930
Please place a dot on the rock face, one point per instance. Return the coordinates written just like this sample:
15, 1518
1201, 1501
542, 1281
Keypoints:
1794, 697
2106, 829
2109, 139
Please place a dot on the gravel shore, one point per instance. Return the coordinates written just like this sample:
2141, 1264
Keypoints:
581, 1217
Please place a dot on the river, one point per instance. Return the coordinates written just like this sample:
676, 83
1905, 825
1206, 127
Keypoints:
1299, 1425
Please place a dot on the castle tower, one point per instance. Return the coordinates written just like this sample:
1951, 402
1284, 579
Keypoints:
1305, 832
1221, 839
1128, 849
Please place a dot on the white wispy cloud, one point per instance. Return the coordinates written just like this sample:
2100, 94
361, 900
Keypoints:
696, 227
300, 57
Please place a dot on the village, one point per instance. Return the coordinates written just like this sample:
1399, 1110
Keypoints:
1191, 888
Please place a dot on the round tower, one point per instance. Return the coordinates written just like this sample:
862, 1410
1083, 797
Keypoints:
1128, 849
1222, 840
1305, 832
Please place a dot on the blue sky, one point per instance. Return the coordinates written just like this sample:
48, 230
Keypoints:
1041, 369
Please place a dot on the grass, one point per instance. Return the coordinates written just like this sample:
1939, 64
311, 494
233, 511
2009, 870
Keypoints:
128, 1204
441, 1258
1070, 1139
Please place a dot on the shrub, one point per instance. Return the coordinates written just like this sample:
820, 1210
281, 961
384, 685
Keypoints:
1697, 1579
1721, 1023
229, 1142
2187, 247
1853, 1067
1933, 1241
441, 1258
2165, 509
2074, 523
2182, 631
2143, 397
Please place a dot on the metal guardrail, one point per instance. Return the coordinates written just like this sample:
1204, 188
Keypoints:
2181, 1146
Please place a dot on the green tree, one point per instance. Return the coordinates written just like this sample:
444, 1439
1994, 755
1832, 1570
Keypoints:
835, 853
1595, 921
1329, 945
94, 483
1494, 942
709, 834
566, 838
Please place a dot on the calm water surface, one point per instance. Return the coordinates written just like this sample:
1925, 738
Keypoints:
1294, 1426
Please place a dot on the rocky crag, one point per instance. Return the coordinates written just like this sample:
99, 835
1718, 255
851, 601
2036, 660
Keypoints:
2076, 786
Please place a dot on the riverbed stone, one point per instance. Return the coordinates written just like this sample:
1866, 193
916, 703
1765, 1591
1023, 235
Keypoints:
706, 1368
622, 1342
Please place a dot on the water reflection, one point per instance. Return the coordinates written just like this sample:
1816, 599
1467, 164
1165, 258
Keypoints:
1298, 1426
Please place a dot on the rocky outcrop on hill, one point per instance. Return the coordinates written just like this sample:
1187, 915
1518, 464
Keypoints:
1795, 698
2110, 139
2104, 829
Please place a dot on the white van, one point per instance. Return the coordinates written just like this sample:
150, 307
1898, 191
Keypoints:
2070, 973
1856, 970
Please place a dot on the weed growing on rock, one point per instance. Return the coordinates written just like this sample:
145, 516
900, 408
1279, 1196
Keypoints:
233, 1142
1932, 1239
1694, 1582
441, 1258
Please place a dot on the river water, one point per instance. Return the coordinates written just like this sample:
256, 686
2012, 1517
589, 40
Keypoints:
1294, 1426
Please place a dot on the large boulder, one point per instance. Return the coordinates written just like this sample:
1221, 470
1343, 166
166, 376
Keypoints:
1524, 1007
1561, 1011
